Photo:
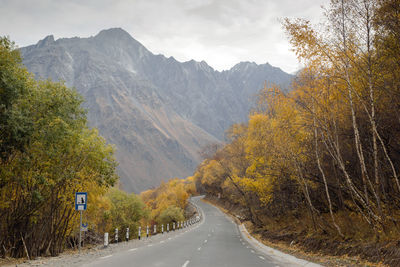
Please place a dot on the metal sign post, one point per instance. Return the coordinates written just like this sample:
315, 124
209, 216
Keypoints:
81, 205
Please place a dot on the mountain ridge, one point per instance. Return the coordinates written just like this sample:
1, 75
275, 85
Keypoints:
158, 111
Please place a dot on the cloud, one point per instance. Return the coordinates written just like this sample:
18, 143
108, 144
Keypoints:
221, 32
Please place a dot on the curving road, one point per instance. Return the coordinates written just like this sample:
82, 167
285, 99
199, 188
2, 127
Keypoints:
216, 241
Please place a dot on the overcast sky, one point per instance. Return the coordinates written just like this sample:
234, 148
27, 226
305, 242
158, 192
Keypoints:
221, 32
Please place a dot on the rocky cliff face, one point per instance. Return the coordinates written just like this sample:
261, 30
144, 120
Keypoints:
157, 111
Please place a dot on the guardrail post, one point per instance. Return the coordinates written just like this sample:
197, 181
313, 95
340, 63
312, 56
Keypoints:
162, 228
127, 234
116, 235
139, 232
147, 231
155, 229
105, 239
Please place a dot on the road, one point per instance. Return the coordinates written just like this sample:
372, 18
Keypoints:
216, 241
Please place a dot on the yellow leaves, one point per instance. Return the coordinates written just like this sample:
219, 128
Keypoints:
212, 171
174, 193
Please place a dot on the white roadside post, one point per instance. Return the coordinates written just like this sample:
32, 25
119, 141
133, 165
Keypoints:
167, 227
105, 239
116, 235
81, 205
139, 232
127, 234
155, 229
173, 225
147, 231
162, 228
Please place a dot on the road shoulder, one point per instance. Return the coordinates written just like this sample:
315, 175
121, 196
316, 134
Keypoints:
293, 251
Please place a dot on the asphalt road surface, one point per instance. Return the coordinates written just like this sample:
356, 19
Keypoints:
216, 241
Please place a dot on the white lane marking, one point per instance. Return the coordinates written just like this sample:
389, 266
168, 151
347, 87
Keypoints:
209, 234
133, 249
252, 251
169, 238
198, 248
185, 264
105, 257
149, 245
247, 247
205, 241
161, 241
261, 257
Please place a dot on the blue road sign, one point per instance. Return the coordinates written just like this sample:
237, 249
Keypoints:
80, 200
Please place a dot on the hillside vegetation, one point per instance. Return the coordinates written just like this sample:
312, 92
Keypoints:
47, 153
321, 164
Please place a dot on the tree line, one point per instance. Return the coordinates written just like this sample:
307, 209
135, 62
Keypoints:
327, 153
47, 153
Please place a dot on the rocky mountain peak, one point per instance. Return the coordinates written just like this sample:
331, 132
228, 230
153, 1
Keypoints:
48, 40
244, 66
116, 35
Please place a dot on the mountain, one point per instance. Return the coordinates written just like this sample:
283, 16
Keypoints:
159, 112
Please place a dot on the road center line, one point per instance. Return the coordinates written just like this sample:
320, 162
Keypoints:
185, 264
133, 249
162, 241
252, 251
261, 257
198, 248
105, 257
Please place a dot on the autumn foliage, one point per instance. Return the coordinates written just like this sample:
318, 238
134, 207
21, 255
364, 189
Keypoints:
167, 203
47, 153
325, 157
